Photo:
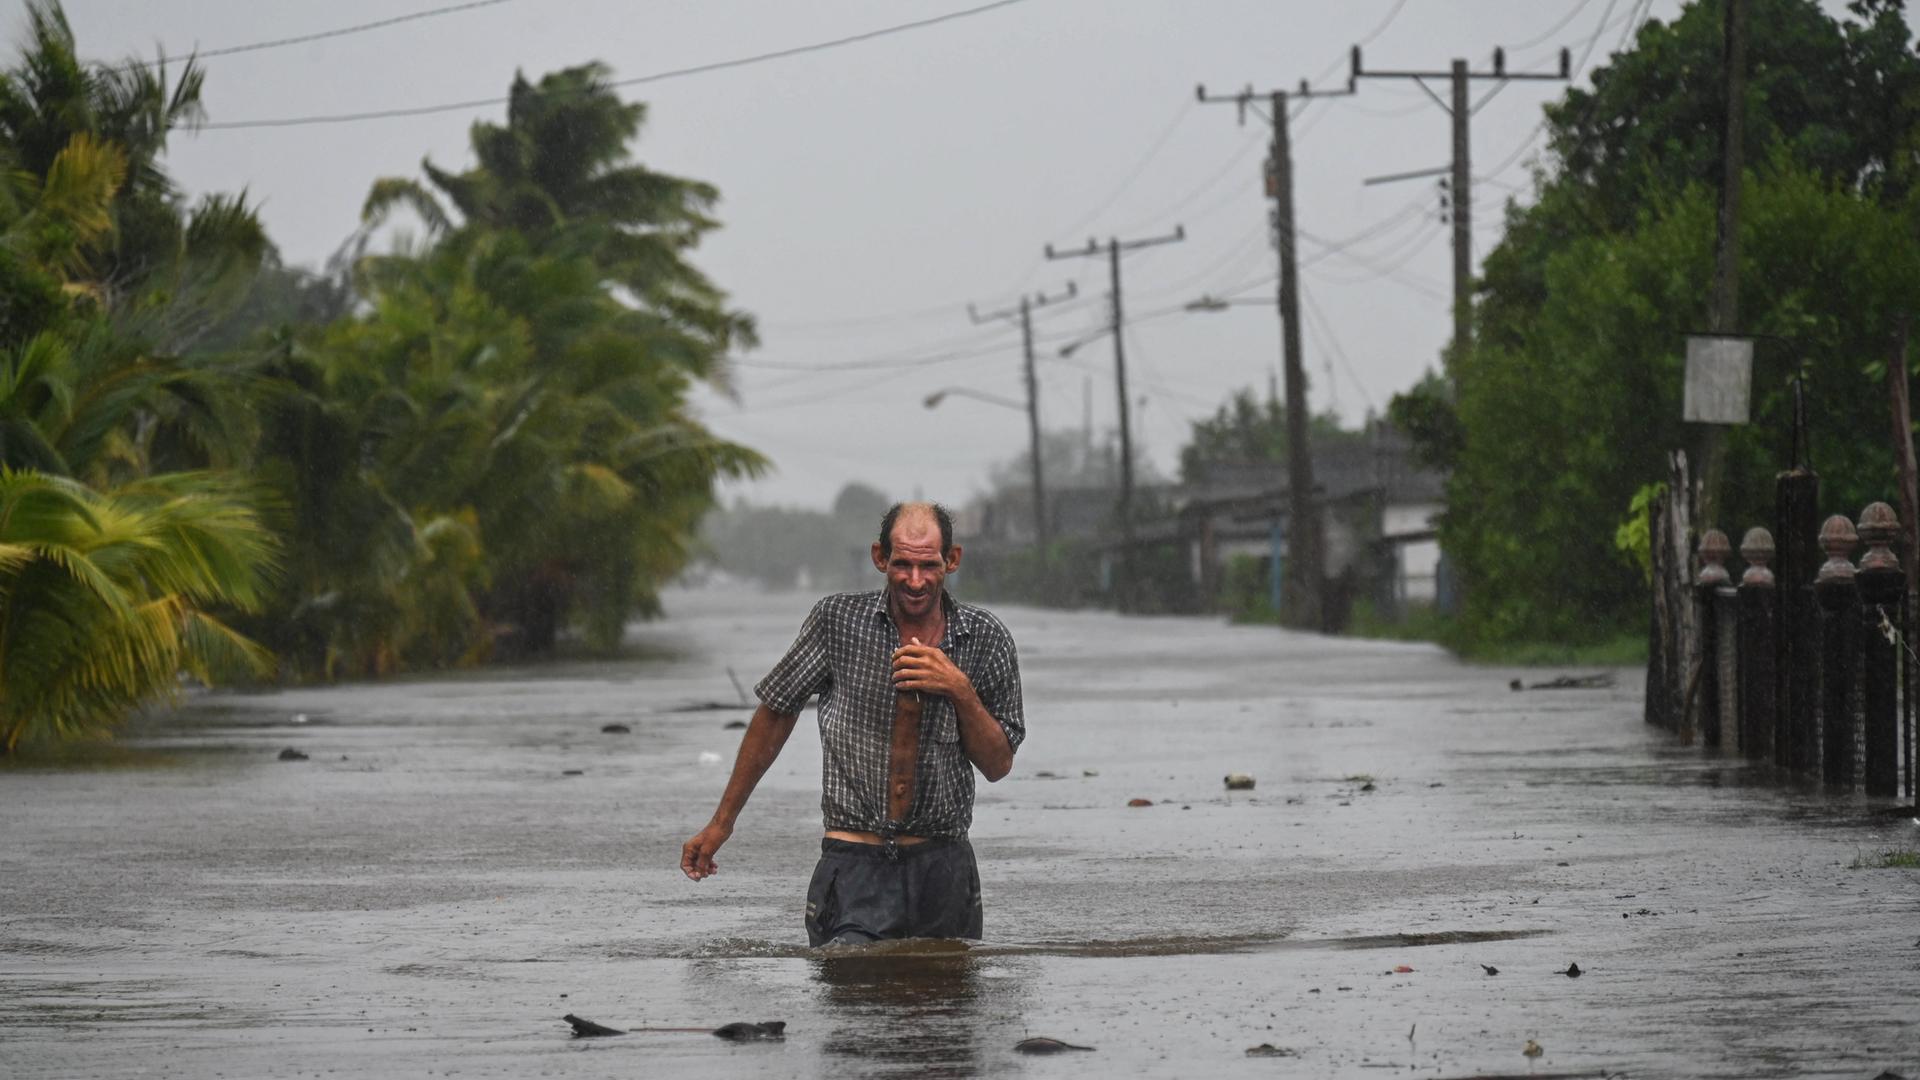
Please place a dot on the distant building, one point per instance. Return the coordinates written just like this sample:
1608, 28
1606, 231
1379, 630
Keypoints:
1380, 507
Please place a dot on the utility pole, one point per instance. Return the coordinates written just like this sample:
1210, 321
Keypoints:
1723, 314
1302, 601
1025, 314
1114, 248
1461, 185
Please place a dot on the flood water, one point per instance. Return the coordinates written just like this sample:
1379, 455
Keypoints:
431, 891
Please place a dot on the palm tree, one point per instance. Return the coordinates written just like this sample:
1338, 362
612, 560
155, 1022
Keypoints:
585, 473
559, 173
190, 262
105, 598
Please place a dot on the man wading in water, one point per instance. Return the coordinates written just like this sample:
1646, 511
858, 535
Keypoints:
903, 723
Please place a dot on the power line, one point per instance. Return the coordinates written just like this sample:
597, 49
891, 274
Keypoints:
1579, 69
874, 363
638, 80
1159, 144
1381, 28
1551, 30
1227, 168
359, 28
1315, 314
1395, 272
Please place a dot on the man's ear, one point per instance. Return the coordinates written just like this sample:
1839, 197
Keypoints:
953, 558
879, 560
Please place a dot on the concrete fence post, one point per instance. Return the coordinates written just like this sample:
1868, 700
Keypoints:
1838, 592
1797, 500
1881, 583
1759, 675
1707, 583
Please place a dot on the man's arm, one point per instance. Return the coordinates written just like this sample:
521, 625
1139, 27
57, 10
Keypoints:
982, 739
766, 733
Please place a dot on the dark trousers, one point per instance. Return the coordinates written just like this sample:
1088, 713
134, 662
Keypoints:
863, 892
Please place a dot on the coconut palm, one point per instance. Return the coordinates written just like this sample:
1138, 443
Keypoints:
181, 266
583, 469
106, 597
558, 172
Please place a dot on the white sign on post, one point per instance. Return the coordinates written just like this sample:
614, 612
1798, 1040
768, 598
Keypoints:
1719, 378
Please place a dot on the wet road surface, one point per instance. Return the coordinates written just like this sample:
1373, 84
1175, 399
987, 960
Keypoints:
432, 890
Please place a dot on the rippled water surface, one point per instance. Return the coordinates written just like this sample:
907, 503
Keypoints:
465, 859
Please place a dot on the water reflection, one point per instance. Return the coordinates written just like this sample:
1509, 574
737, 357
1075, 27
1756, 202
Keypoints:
913, 1009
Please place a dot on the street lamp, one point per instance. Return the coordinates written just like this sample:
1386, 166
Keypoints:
1067, 350
1215, 303
1303, 517
934, 399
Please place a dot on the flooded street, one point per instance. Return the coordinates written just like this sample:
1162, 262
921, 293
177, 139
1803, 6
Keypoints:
431, 891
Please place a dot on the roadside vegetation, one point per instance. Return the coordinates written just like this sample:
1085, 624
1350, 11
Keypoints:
1888, 859
467, 446
1560, 413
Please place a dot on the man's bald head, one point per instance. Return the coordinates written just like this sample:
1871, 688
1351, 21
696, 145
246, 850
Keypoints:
914, 513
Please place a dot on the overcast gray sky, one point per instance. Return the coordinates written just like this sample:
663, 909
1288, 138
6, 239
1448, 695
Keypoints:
869, 192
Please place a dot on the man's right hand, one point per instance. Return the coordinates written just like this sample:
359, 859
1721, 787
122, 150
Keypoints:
696, 858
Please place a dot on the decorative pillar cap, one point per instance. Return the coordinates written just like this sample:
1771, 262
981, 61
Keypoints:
1879, 527
1838, 540
1757, 548
1714, 550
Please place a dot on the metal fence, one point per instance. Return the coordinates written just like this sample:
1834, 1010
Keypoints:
1804, 662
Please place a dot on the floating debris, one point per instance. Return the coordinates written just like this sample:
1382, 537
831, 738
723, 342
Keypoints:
1491, 970
734, 725
290, 754
1602, 681
1270, 1050
1239, 781
739, 1031
587, 1029
1532, 1049
1139, 802
573, 772
708, 757
616, 729
1045, 1046
1089, 772
1572, 972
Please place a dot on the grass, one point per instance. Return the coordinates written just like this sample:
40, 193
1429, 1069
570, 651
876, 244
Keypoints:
1426, 624
1887, 859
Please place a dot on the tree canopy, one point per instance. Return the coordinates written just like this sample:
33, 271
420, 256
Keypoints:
473, 443
1565, 405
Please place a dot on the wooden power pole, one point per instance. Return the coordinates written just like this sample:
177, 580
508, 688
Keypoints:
1024, 313
1124, 589
1461, 194
1723, 312
1302, 595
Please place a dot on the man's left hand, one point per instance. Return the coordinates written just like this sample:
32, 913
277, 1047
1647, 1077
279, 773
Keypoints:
928, 670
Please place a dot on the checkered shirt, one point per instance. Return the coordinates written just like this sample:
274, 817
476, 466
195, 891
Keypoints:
844, 654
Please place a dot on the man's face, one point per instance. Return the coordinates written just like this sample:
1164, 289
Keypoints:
915, 568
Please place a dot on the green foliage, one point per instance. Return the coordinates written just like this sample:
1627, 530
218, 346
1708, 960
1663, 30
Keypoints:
1633, 537
1570, 397
106, 597
1248, 430
479, 440
1887, 859
1246, 590
495, 449
1426, 413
